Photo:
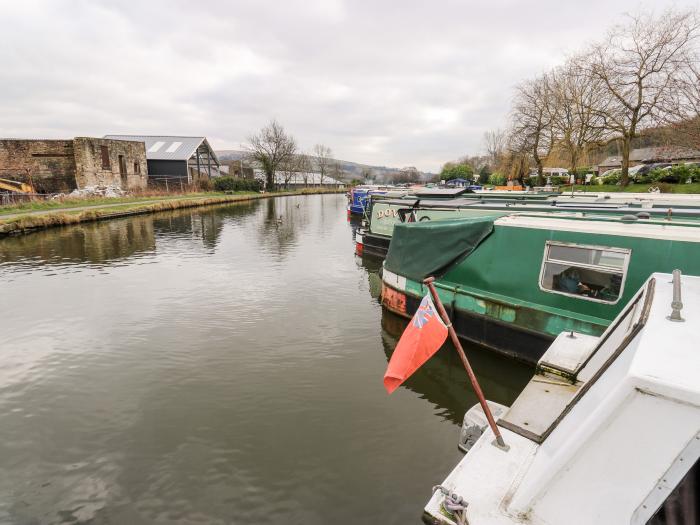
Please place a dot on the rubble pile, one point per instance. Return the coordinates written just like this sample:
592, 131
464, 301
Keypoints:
98, 191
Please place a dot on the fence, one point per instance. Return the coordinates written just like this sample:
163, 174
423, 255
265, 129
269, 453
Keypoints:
8, 199
176, 184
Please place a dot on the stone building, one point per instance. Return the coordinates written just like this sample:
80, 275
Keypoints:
53, 166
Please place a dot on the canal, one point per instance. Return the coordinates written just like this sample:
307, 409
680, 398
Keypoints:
219, 365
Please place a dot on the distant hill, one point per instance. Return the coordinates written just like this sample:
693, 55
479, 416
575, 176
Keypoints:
351, 170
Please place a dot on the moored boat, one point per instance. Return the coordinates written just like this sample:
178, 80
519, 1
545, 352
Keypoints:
514, 282
384, 213
606, 432
359, 196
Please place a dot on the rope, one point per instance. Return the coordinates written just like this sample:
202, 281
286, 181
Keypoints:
454, 504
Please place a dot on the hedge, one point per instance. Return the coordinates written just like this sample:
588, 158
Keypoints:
678, 174
237, 184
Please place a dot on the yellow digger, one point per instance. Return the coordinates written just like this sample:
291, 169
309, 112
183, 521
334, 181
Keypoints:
15, 186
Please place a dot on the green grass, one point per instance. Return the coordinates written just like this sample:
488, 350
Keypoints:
76, 202
18, 219
639, 188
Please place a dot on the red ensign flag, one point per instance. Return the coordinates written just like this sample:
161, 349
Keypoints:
423, 337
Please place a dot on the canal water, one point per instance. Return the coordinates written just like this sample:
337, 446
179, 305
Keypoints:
219, 365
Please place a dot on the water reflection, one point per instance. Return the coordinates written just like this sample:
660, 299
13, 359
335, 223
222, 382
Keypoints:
443, 380
282, 219
95, 242
216, 366
109, 242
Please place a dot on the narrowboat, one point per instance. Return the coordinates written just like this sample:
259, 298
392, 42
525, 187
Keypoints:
383, 214
514, 282
607, 431
359, 196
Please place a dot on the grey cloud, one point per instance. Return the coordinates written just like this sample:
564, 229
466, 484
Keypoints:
393, 83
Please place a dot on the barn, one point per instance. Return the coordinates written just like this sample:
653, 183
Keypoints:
177, 159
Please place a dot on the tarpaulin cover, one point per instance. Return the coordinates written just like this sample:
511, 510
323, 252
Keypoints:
421, 249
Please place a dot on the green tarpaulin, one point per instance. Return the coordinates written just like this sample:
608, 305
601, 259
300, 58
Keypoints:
421, 249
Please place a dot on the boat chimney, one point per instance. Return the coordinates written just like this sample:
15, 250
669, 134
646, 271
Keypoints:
676, 303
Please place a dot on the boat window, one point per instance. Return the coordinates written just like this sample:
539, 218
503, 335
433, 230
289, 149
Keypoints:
589, 272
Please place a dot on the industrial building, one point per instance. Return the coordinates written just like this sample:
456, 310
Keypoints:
177, 159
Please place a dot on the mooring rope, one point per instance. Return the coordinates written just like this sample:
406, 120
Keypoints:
454, 504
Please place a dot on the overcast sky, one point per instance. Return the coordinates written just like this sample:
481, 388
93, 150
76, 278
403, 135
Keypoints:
396, 83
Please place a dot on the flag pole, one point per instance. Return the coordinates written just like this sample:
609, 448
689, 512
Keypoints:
455, 340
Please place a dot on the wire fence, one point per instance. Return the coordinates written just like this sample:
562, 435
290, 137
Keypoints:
8, 199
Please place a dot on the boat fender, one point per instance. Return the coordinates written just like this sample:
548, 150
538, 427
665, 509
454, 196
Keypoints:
644, 215
475, 423
629, 218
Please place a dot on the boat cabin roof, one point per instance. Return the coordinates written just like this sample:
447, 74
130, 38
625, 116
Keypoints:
685, 230
439, 192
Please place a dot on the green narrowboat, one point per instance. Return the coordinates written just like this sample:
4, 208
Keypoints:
383, 214
513, 283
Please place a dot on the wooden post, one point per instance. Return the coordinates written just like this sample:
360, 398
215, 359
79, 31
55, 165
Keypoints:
458, 346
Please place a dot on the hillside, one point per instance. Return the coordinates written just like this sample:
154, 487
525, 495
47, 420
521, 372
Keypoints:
351, 170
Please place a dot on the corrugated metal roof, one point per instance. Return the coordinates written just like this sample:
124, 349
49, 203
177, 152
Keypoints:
163, 147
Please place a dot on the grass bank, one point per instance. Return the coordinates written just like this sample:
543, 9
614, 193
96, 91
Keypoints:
78, 202
34, 216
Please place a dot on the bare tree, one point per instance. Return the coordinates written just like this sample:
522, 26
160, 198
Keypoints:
323, 160
406, 175
271, 148
532, 115
367, 174
574, 95
495, 142
684, 116
292, 168
637, 63
336, 170
304, 167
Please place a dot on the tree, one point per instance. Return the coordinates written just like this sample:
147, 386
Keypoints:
295, 166
323, 160
637, 64
574, 122
452, 171
304, 167
271, 148
532, 114
477, 162
367, 174
406, 175
684, 117
484, 173
495, 142
336, 170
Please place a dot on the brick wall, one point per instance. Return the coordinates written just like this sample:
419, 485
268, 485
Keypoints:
107, 162
50, 162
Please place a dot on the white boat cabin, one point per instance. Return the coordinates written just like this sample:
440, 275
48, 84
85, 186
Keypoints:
604, 433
